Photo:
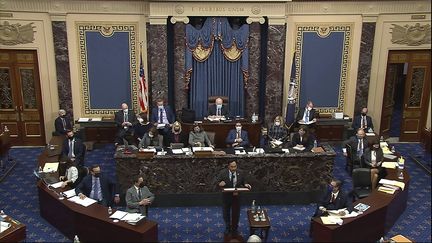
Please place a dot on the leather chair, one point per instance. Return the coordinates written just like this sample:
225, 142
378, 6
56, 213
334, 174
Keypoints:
211, 136
212, 99
362, 185
352, 162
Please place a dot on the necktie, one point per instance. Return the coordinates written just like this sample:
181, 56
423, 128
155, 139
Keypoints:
70, 148
233, 179
64, 123
360, 148
238, 135
218, 113
96, 190
364, 122
307, 116
139, 194
160, 115
125, 115
301, 139
333, 197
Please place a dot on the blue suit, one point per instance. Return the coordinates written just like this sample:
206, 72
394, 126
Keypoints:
78, 150
108, 188
168, 111
232, 135
357, 123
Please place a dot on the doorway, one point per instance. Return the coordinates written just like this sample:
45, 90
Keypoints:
406, 95
20, 97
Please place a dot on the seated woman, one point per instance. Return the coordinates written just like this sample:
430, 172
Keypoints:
143, 126
176, 135
71, 175
277, 133
373, 158
152, 139
302, 139
198, 137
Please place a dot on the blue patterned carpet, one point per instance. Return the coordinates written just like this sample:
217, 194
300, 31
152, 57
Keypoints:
205, 224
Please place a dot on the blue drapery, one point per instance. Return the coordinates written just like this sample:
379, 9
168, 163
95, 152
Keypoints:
216, 64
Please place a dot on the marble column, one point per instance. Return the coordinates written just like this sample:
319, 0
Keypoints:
252, 86
180, 91
365, 62
157, 62
62, 66
275, 72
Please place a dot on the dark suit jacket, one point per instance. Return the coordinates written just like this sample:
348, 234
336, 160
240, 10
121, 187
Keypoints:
132, 199
367, 157
353, 142
108, 187
119, 118
78, 148
212, 110
312, 114
232, 135
342, 201
169, 113
357, 122
224, 176
307, 142
58, 124
183, 138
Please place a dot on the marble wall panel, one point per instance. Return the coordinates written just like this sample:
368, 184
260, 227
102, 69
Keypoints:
275, 72
365, 63
180, 91
157, 62
62, 66
252, 86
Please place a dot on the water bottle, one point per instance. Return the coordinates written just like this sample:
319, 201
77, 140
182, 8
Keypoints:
315, 143
382, 139
393, 150
253, 207
40, 169
109, 210
76, 239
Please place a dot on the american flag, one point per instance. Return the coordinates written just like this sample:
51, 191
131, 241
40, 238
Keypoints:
143, 90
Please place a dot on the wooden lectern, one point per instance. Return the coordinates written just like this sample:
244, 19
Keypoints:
235, 212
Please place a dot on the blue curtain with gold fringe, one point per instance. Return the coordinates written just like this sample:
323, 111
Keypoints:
216, 63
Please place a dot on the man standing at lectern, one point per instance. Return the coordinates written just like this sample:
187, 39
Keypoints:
231, 178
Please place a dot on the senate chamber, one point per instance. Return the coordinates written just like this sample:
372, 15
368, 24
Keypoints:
215, 121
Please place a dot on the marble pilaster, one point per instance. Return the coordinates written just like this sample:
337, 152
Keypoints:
180, 91
252, 86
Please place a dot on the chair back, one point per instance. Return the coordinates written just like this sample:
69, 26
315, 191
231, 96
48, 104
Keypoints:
212, 99
211, 136
361, 178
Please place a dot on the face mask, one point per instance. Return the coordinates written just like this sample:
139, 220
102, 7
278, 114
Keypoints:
238, 128
71, 137
125, 110
277, 123
140, 120
141, 185
219, 106
160, 106
197, 130
176, 129
363, 114
151, 135
376, 147
309, 108
97, 175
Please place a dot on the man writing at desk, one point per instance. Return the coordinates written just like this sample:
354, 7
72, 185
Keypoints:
231, 178
334, 199
98, 187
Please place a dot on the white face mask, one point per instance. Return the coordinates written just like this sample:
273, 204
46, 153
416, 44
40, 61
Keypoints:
140, 119
277, 123
160, 106
151, 135
309, 108
125, 110
219, 106
238, 129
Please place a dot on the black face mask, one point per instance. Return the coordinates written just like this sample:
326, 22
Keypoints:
141, 185
97, 175
71, 137
363, 114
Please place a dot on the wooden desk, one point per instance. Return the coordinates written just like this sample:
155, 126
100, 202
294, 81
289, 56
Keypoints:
262, 226
90, 223
15, 233
98, 131
330, 129
221, 130
275, 178
375, 222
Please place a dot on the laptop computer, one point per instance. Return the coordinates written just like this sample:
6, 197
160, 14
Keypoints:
176, 145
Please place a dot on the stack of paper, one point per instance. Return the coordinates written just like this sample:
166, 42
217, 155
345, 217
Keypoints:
299, 148
370, 134
85, 202
4, 226
50, 167
387, 182
331, 220
95, 119
240, 152
386, 190
386, 150
69, 193
390, 156
57, 185
133, 218
177, 151
118, 214
185, 150
82, 119
208, 149
389, 165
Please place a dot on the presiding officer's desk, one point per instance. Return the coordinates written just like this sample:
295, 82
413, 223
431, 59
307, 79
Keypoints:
190, 180
90, 223
374, 223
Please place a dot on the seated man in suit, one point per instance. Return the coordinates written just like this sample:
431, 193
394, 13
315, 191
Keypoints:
230, 178
99, 187
73, 149
363, 121
237, 137
125, 120
62, 123
162, 117
302, 139
151, 139
138, 197
218, 109
308, 115
334, 199
358, 144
